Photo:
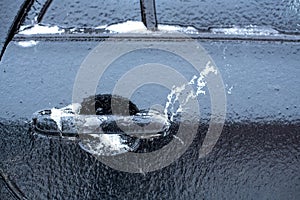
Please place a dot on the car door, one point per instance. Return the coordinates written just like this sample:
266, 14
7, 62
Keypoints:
218, 81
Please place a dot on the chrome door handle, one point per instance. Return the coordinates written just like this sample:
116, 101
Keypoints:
67, 123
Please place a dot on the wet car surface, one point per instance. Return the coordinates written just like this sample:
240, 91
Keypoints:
256, 157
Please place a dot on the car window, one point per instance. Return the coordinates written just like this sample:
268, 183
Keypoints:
282, 15
84, 14
279, 14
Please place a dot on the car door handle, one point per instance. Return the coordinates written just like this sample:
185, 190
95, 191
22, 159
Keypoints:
67, 123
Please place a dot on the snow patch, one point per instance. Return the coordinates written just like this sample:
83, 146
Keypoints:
249, 30
127, 27
139, 27
40, 29
29, 43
